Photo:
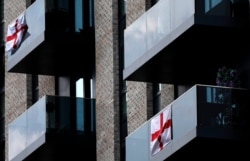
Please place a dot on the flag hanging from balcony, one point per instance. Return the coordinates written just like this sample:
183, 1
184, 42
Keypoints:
15, 33
161, 129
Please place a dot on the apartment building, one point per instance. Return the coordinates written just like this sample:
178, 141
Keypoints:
89, 76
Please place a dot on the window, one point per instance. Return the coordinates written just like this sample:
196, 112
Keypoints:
209, 4
73, 15
80, 88
78, 15
85, 111
84, 14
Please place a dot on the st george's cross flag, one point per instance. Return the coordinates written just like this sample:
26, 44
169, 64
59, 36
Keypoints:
15, 33
161, 130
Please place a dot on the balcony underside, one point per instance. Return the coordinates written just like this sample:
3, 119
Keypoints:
59, 55
195, 56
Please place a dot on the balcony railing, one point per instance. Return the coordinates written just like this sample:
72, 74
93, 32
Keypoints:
53, 30
171, 33
59, 121
217, 114
159, 26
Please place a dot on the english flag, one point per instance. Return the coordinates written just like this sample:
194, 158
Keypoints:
161, 131
15, 33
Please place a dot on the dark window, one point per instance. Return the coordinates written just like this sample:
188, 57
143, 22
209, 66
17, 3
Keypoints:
73, 15
85, 119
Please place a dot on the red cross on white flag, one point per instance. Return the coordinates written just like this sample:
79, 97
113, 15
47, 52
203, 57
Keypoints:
15, 33
160, 131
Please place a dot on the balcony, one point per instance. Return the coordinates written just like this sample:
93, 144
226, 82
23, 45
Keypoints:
174, 40
53, 45
208, 122
54, 128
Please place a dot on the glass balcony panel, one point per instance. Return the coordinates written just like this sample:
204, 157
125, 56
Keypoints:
17, 137
57, 118
34, 35
138, 144
36, 122
198, 114
184, 110
154, 26
223, 111
158, 26
135, 38
27, 132
180, 12
184, 118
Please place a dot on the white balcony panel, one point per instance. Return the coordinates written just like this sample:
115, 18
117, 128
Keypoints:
158, 25
17, 136
154, 30
135, 37
180, 12
27, 132
185, 109
36, 117
35, 19
137, 144
184, 118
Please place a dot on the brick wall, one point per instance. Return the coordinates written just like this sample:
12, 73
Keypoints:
167, 94
134, 9
136, 104
107, 83
46, 85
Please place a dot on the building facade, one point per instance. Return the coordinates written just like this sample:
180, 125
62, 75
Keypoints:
73, 62
114, 118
